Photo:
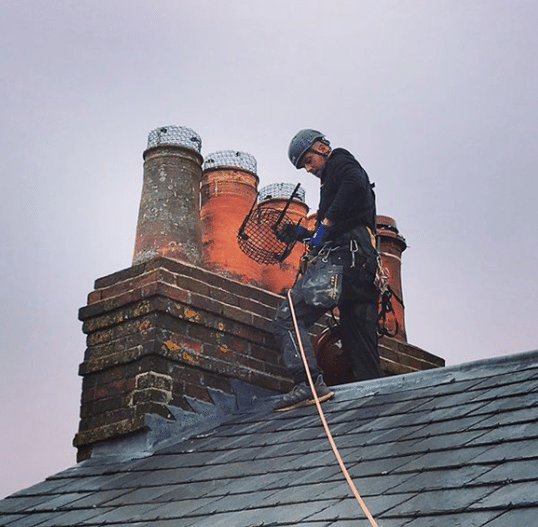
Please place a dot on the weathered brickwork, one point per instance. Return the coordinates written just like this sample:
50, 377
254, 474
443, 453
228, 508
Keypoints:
399, 357
163, 331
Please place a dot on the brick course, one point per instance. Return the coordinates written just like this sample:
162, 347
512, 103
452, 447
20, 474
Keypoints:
163, 331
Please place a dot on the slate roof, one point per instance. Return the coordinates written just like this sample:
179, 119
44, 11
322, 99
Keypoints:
447, 447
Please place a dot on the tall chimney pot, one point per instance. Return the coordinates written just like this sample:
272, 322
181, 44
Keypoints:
229, 188
169, 218
391, 245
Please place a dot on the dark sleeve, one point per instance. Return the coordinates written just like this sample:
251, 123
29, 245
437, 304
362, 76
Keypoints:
351, 187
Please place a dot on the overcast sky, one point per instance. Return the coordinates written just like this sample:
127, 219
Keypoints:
438, 99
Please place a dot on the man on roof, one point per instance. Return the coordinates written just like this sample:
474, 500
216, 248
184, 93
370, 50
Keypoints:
342, 263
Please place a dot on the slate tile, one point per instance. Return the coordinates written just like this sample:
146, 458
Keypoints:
509, 377
59, 501
20, 504
287, 515
391, 422
452, 458
317, 524
312, 460
516, 518
441, 442
248, 484
235, 519
245, 454
440, 479
508, 433
505, 418
443, 414
96, 483
7, 518
157, 478
508, 404
306, 492
207, 488
349, 509
297, 513
392, 449
448, 401
345, 523
441, 501
352, 415
125, 514
49, 486
183, 522
70, 518
378, 467
509, 390
149, 495
512, 471
379, 484
104, 498
392, 435
464, 519
511, 495
307, 476
448, 427
31, 520
277, 450
180, 509
504, 451
298, 418
382, 522
444, 388
183, 460
248, 500
230, 470
398, 407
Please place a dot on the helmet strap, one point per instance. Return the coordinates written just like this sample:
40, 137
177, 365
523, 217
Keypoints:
322, 154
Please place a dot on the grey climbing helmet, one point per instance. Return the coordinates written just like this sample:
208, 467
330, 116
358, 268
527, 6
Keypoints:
301, 143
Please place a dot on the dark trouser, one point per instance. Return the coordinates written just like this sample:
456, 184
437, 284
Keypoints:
286, 337
359, 336
358, 321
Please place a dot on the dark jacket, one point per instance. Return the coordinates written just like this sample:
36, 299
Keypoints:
348, 200
346, 195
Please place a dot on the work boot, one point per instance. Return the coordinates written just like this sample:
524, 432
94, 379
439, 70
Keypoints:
301, 395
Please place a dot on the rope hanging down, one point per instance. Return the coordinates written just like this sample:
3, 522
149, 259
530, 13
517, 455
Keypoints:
343, 468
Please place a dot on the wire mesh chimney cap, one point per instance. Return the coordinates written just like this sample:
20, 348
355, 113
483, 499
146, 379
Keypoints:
175, 135
281, 190
231, 158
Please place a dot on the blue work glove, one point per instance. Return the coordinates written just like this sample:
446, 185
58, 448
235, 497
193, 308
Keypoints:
319, 236
290, 233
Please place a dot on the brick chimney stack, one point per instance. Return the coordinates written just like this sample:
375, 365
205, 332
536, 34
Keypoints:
171, 343
169, 220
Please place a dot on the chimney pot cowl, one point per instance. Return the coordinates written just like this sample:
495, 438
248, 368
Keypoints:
175, 135
231, 158
282, 191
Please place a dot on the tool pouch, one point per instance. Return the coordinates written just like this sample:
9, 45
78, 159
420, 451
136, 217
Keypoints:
321, 284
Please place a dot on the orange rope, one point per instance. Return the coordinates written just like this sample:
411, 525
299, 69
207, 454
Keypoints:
324, 421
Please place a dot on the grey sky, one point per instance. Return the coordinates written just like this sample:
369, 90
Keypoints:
437, 99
